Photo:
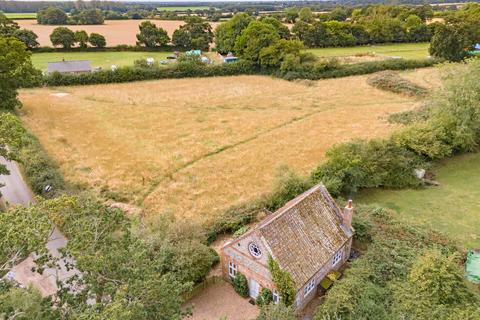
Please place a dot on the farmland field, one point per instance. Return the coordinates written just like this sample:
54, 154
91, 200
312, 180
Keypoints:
98, 59
115, 31
22, 15
197, 146
452, 208
403, 50
193, 8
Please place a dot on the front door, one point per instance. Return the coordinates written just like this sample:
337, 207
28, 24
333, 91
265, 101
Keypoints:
254, 288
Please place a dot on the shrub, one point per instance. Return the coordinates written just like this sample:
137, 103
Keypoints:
240, 284
391, 81
97, 40
265, 297
367, 164
276, 312
283, 281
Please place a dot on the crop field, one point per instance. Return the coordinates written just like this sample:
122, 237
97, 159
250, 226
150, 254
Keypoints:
193, 8
115, 31
98, 59
21, 15
402, 50
194, 147
452, 208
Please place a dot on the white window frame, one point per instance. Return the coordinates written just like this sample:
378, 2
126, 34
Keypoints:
255, 254
309, 287
275, 296
337, 257
232, 269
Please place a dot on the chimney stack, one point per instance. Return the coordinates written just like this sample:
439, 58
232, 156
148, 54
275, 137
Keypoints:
348, 214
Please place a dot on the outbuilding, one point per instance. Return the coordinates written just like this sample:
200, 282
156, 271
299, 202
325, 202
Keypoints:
70, 66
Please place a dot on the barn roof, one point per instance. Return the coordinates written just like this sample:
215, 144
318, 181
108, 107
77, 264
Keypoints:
304, 234
70, 66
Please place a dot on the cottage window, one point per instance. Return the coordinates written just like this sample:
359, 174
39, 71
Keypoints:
254, 250
337, 257
232, 269
309, 287
276, 297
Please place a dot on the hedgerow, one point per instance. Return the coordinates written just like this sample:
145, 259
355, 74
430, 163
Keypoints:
187, 70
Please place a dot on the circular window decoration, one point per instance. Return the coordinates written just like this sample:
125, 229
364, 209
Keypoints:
254, 250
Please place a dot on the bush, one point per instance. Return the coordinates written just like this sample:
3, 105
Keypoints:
265, 297
367, 164
391, 81
40, 170
240, 284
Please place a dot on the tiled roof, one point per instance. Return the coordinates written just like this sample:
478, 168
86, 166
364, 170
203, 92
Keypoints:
305, 233
70, 66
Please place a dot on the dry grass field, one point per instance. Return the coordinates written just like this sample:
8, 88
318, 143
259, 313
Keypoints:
197, 146
115, 31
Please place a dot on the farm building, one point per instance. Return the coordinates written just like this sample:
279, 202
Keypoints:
310, 237
71, 66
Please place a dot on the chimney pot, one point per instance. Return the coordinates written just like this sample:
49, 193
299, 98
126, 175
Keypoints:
348, 214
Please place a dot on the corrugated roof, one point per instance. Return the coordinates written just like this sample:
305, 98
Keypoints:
305, 233
70, 66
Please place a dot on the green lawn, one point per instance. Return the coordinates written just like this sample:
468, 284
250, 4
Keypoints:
404, 50
98, 59
182, 8
32, 15
452, 208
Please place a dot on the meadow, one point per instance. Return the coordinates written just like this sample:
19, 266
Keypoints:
21, 15
194, 147
402, 50
103, 60
452, 207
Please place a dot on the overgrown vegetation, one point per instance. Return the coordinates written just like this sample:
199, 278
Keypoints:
392, 81
283, 282
406, 273
240, 284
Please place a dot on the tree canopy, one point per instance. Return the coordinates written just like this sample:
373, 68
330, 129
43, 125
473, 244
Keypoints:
151, 36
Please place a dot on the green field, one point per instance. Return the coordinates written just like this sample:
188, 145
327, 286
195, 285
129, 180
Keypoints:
182, 8
98, 59
32, 15
452, 208
404, 50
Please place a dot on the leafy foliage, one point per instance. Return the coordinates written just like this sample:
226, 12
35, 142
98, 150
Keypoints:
283, 281
276, 312
151, 36
240, 284
16, 70
264, 298
254, 38
195, 34
63, 36
51, 15
226, 33
97, 40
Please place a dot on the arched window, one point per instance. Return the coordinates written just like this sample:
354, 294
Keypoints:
254, 250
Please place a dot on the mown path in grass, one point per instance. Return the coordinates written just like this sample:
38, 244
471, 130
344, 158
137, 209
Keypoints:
98, 59
403, 50
452, 208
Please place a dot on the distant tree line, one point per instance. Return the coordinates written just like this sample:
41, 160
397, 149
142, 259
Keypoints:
56, 16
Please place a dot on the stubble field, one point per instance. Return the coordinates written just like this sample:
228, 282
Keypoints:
197, 146
116, 32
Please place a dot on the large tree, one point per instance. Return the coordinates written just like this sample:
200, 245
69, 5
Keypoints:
151, 36
63, 36
254, 38
97, 40
15, 70
195, 34
51, 15
226, 33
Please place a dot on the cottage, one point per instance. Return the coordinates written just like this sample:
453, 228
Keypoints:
309, 237
72, 66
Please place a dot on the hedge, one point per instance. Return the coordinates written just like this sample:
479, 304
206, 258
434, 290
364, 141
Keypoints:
188, 70
129, 74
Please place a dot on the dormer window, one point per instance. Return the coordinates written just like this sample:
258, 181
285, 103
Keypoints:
254, 250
